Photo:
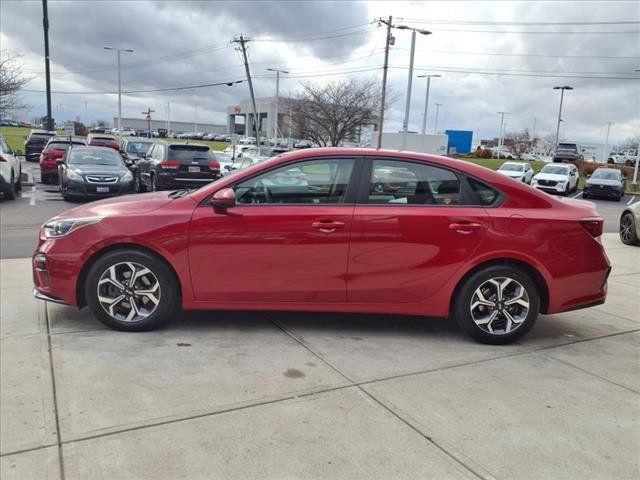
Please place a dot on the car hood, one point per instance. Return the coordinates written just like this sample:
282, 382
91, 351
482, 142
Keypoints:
551, 176
603, 181
511, 173
135, 204
98, 169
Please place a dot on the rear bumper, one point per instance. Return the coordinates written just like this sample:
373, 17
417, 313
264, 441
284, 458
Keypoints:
602, 192
183, 180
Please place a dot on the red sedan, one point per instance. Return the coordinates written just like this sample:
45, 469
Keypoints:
457, 240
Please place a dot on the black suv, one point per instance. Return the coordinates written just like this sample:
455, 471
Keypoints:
35, 144
171, 166
568, 152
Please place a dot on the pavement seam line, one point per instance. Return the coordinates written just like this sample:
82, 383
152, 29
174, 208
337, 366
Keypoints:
54, 392
569, 364
369, 395
27, 450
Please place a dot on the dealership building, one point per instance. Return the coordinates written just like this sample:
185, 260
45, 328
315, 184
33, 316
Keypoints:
240, 117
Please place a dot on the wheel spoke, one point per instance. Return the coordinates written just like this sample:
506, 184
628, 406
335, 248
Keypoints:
486, 320
111, 302
112, 278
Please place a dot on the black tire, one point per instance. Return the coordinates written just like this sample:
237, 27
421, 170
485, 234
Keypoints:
10, 192
462, 303
168, 296
585, 195
619, 198
154, 185
629, 236
19, 181
566, 191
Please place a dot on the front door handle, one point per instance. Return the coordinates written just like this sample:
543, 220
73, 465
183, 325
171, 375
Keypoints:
465, 228
327, 226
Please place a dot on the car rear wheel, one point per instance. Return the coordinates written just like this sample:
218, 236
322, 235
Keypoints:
154, 184
497, 305
131, 290
19, 181
10, 192
628, 230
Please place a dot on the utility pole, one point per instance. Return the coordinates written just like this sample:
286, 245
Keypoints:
407, 107
148, 119
241, 40
45, 26
435, 127
562, 89
168, 118
195, 122
533, 135
500, 140
275, 123
606, 143
426, 101
384, 78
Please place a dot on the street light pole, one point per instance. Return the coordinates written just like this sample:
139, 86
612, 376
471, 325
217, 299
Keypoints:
426, 101
500, 140
275, 123
435, 127
560, 110
118, 50
407, 108
606, 143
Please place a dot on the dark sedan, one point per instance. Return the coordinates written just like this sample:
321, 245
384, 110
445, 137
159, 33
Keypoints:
605, 183
94, 172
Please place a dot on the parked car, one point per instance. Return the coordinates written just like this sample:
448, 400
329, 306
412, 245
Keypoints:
238, 244
128, 132
54, 150
627, 157
238, 149
247, 141
98, 140
605, 183
94, 172
303, 144
630, 225
177, 165
35, 144
557, 178
135, 148
568, 152
257, 153
10, 171
517, 170
502, 152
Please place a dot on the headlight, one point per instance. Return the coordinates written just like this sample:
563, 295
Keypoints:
72, 174
126, 177
63, 227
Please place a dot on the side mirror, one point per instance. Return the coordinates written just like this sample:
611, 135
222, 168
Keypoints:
60, 161
588, 175
133, 167
225, 198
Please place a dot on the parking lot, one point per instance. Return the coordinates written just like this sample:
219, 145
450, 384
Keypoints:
292, 395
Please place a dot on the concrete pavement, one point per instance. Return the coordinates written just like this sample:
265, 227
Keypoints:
286, 395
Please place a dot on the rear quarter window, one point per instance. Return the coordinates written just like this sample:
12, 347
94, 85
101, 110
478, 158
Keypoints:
487, 195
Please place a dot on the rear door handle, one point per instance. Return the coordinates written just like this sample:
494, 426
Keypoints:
327, 226
465, 228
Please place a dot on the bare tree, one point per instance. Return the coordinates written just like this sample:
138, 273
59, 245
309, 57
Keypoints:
631, 143
11, 81
547, 144
334, 112
519, 142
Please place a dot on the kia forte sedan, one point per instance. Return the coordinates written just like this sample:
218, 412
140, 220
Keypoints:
464, 242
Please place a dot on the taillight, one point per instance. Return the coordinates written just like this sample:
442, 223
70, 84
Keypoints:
2, 159
214, 165
170, 164
593, 225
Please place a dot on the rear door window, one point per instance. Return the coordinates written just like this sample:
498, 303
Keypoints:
188, 153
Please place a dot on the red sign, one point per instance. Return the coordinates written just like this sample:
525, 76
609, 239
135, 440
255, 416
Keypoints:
148, 118
237, 110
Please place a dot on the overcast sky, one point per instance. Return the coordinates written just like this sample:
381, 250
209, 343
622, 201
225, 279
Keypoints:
493, 56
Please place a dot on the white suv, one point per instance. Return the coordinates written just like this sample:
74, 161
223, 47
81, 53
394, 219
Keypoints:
10, 171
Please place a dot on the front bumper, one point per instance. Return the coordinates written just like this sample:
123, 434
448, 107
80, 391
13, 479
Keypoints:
42, 296
557, 188
603, 192
76, 188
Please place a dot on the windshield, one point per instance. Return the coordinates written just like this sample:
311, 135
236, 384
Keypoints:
606, 174
61, 145
138, 147
94, 157
103, 141
555, 169
511, 167
567, 146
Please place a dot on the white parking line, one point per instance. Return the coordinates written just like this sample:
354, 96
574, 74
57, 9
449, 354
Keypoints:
577, 195
631, 200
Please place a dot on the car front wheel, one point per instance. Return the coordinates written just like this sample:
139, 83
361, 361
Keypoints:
628, 230
497, 305
131, 290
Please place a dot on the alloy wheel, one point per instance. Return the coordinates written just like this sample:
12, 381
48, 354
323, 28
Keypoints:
626, 229
499, 305
128, 291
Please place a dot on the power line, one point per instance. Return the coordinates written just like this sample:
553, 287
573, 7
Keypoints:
483, 22
186, 87
548, 32
313, 39
504, 54
523, 71
522, 74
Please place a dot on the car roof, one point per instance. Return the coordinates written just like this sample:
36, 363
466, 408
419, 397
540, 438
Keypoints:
66, 139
